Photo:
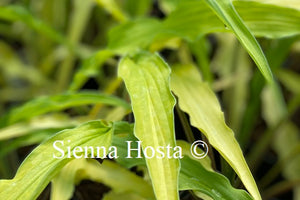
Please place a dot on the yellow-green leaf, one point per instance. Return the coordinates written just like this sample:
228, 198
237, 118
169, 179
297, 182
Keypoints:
147, 80
40, 167
198, 100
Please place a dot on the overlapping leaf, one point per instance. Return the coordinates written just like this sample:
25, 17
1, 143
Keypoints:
227, 13
119, 179
40, 167
199, 101
43, 105
193, 176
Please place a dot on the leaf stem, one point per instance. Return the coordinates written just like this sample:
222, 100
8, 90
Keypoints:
185, 124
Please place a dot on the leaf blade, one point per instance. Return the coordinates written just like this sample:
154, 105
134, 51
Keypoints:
199, 101
33, 175
147, 80
193, 176
227, 13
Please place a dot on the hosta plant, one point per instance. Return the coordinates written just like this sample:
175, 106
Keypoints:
168, 99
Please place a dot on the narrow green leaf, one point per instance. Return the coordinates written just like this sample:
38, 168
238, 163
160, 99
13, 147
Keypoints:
43, 105
227, 13
40, 167
193, 176
199, 101
147, 80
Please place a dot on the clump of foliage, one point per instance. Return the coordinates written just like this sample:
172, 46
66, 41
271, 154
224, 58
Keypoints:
166, 72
